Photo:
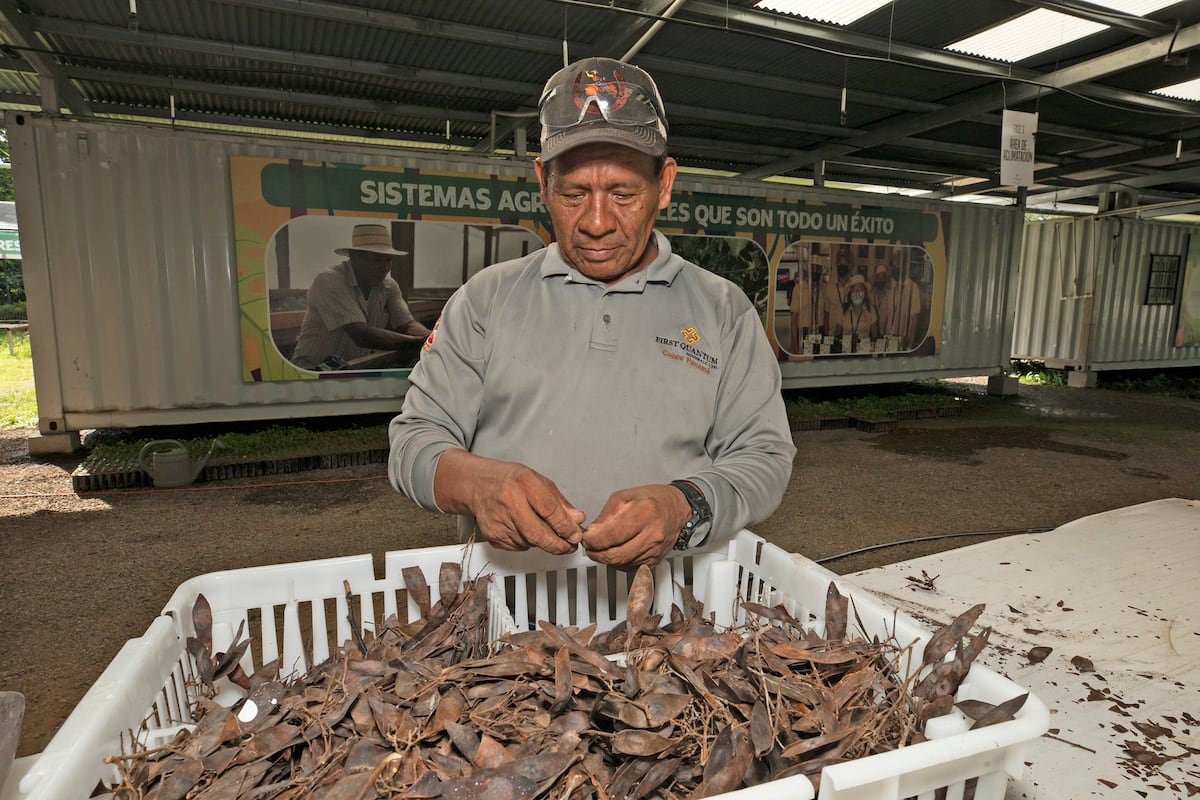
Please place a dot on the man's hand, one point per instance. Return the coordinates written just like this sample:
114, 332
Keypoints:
365, 335
514, 507
637, 526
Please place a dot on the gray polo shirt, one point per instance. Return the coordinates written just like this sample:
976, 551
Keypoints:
666, 375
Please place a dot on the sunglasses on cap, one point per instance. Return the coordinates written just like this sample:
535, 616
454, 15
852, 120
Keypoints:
614, 100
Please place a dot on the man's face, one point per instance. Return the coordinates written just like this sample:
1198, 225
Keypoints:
603, 199
370, 268
844, 263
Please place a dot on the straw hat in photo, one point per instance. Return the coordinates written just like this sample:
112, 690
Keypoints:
371, 239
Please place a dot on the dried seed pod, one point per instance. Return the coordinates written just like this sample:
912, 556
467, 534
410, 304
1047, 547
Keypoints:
202, 620
182, 777
728, 761
633, 742
490, 754
563, 684
837, 613
762, 730
418, 589
662, 708
449, 581
986, 714
430, 710
944, 639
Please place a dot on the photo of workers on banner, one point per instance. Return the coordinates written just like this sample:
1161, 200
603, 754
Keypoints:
842, 298
349, 294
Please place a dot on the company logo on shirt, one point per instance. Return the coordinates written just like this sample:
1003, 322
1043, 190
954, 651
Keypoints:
686, 351
429, 339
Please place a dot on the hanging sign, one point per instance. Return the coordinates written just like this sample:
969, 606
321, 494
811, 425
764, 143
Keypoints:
1016, 148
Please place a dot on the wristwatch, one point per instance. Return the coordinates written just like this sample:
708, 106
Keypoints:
695, 530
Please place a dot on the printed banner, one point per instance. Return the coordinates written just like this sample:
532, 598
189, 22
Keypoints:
291, 216
1188, 332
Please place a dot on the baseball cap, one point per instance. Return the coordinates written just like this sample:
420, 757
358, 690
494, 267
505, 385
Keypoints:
602, 100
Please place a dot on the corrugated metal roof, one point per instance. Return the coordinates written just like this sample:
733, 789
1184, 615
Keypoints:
751, 92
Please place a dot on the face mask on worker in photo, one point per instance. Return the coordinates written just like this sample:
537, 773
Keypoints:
857, 299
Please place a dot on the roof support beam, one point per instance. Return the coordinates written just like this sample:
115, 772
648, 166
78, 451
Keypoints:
404, 23
1142, 182
626, 42
56, 90
991, 99
110, 33
279, 96
1104, 16
1069, 168
753, 22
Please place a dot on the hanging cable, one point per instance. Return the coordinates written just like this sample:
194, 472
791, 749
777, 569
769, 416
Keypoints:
937, 537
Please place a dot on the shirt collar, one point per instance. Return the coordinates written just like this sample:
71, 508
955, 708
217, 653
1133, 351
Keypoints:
662, 269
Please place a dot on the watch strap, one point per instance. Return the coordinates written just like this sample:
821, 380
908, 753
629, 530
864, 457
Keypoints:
701, 514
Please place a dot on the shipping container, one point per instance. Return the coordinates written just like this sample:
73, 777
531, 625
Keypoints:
167, 268
1108, 293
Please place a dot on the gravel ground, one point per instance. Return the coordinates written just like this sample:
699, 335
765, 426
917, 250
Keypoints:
82, 575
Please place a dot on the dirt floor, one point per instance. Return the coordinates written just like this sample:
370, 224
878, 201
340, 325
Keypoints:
81, 575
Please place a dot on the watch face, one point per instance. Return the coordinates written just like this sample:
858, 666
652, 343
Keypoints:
696, 529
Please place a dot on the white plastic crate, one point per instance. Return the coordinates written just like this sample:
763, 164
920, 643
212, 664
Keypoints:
298, 612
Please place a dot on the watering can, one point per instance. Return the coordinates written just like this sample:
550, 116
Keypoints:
170, 465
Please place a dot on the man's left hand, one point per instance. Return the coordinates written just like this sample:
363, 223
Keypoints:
637, 526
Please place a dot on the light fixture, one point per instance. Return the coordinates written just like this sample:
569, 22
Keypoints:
1042, 29
839, 12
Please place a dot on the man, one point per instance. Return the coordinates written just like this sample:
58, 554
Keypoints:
800, 298
603, 379
355, 307
881, 284
833, 290
902, 303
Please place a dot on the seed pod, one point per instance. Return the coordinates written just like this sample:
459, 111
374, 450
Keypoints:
633, 742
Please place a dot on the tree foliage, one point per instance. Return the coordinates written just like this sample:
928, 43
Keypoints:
6, 184
739, 260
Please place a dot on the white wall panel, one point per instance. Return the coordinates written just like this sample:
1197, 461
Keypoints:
1082, 290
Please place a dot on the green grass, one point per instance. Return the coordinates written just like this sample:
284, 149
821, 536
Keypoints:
18, 403
875, 402
1183, 382
1035, 373
1175, 382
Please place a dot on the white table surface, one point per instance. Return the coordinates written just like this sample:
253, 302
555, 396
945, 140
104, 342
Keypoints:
1120, 589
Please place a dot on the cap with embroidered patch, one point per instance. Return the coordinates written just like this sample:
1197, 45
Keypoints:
602, 100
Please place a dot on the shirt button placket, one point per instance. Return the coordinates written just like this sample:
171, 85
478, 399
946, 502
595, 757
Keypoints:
604, 326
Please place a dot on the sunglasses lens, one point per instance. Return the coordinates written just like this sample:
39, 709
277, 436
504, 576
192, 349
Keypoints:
617, 103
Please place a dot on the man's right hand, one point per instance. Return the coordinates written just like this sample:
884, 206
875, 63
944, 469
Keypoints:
515, 508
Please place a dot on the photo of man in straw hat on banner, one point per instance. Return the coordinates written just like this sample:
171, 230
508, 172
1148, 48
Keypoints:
356, 316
